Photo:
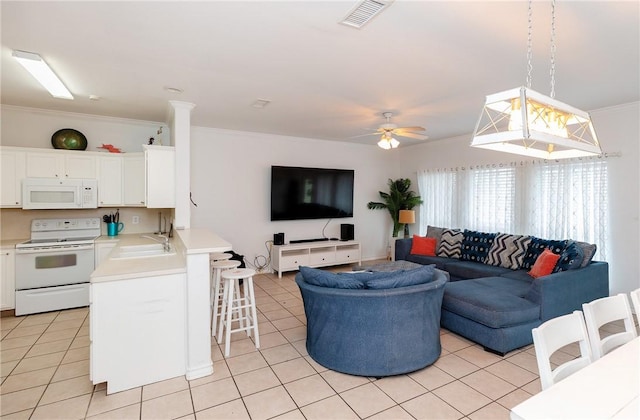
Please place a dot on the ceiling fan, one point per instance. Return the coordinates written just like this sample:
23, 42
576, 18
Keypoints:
388, 130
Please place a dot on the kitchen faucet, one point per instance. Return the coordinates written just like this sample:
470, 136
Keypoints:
164, 241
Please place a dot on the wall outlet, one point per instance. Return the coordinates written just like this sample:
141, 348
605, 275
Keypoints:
135, 220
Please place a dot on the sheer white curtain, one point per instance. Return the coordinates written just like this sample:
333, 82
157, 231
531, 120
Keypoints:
564, 199
568, 199
438, 190
491, 198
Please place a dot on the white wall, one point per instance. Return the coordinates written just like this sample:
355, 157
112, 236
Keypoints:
30, 127
230, 178
231, 182
618, 132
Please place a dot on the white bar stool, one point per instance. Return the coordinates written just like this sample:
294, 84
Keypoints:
219, 256
217, 289
243, 306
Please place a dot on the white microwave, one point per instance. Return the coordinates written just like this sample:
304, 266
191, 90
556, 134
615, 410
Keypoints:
49, 193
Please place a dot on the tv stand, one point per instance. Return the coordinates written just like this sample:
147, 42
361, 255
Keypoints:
314, 254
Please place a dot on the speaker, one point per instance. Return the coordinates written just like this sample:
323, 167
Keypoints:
278, 238
346, 232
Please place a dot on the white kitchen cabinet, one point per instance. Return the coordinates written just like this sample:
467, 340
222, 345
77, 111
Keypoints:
160, 166
102, 250
8, 280
60, 164
314, 254
12, 172
110, 181
138, 331
133, 173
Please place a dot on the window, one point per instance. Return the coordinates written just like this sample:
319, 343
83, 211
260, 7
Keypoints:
556, 200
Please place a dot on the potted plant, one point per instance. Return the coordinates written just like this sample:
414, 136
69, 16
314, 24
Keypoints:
399, 197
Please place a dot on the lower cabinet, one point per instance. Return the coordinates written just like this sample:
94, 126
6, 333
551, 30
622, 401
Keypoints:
314, 254
137, 331
8, 279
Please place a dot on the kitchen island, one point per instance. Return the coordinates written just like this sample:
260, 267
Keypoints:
150, 313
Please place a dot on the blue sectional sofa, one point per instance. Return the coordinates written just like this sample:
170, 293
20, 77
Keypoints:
498, 307
373, 324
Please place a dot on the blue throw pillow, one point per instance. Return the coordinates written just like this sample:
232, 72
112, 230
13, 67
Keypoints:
535, 248
570, 259
403, 278
475, 245
323, 278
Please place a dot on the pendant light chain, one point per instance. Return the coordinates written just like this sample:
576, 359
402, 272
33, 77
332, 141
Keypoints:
529, 49
552, 71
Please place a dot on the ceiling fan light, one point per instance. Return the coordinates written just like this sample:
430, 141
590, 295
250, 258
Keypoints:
394, 143
384, 144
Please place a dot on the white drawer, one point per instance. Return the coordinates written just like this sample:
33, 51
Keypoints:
348, 255
322, 258
293, 261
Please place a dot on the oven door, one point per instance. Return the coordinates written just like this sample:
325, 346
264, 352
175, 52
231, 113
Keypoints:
53, 266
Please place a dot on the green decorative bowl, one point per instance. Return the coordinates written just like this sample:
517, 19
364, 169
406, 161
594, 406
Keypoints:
69, 139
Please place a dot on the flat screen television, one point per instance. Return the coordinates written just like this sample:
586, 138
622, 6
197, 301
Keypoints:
311, 193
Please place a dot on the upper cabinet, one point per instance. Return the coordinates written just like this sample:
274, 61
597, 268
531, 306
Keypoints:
128, 179
60, 164
12, 171
121, 180
133, 173
109, 180
160, 163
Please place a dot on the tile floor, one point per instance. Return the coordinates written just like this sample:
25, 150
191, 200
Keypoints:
45, 375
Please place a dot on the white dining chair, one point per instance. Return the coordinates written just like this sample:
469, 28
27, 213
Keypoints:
604, 311
555, 334
635, 300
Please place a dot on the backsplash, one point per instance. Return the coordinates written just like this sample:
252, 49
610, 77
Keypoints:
16, 223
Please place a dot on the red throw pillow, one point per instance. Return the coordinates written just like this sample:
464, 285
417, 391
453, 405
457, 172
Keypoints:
424, 246
544, 264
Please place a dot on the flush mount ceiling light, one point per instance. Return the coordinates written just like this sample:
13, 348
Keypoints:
43, 73
525, 122
173, 89
261, 103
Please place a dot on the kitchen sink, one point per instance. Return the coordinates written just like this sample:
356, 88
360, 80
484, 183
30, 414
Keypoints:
143, 251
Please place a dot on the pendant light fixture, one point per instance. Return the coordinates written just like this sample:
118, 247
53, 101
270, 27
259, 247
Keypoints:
525, 122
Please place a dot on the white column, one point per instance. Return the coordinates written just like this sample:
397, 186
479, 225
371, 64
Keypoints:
180, 125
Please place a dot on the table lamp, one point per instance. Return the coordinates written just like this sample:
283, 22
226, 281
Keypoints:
407, 217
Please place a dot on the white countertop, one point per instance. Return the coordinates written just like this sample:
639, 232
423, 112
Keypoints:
187, 242
131, 268
11, 243
202, 241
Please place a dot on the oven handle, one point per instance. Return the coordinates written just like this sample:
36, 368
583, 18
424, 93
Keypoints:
53, 249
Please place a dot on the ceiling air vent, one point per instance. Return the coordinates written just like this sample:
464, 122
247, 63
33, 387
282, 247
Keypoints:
363, 12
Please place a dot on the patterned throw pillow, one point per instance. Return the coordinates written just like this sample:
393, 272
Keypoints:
450, 243
508, 250
570, 259
536, 247
475, 245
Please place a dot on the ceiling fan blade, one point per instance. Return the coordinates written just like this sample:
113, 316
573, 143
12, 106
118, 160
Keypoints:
411, 128
412, 135
364, 135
